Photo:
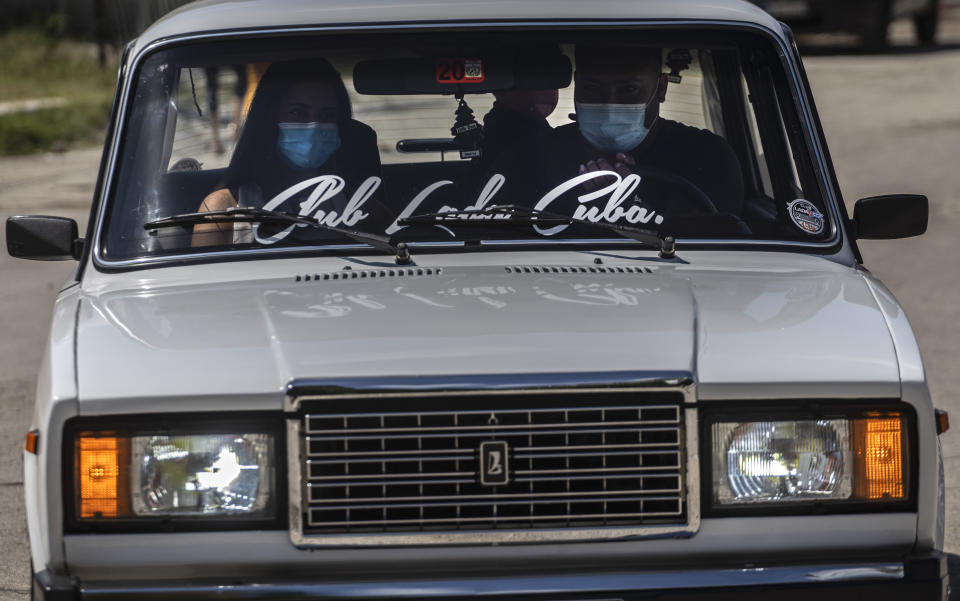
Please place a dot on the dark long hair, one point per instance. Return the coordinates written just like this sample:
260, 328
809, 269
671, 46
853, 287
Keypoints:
255, 158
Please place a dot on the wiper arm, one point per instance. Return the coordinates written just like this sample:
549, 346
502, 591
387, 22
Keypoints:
258, 215
498, 215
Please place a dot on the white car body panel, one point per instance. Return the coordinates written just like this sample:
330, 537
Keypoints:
914, 390
56, 396
227, 15
226, 554
733, 325
231, 336
734, 309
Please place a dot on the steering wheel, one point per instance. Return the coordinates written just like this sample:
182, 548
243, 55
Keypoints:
692, 191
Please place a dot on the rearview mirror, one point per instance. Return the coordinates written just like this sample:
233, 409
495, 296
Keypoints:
43, 238
891, 216
468, 74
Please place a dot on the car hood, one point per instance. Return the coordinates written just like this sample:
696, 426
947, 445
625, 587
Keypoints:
248, 338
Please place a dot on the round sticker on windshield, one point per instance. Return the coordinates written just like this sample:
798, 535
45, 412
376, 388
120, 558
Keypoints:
806, 216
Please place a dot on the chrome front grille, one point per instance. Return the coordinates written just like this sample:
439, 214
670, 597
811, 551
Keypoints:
390, 469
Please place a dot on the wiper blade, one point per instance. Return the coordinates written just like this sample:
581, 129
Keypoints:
513, 215
258, 215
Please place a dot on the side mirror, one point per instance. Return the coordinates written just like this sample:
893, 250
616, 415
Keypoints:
43, 238
891, 216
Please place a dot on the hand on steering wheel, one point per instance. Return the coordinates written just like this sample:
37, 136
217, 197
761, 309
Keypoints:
625, 165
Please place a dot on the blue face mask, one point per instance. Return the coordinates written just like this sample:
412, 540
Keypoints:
308, 145
612, 128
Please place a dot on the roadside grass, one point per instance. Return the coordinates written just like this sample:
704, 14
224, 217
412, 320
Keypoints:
38, 65
55, 129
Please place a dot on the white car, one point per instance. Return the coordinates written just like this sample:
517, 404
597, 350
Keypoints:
441, 300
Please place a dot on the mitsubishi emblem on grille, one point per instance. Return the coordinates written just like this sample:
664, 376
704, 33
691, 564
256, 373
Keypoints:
493, 463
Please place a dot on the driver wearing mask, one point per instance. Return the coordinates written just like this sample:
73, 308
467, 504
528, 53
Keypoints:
617, 96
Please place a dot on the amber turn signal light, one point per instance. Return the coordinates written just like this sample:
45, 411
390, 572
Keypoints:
102, 465
33, 441
879, 458
943, 421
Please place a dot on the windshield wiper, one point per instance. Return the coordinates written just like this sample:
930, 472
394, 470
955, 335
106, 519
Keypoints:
513, 215
258, 215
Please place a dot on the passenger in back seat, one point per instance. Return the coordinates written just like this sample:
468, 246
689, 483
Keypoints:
300, 126
517, 122
517, 117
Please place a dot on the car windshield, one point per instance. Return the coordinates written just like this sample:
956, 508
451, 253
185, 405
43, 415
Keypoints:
687, 134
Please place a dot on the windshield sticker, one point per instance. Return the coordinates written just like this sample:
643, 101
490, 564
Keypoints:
327, 188
617, 194
622, 204
805, 216
490, 190
460, 70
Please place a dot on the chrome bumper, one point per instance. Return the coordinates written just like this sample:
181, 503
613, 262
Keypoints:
921, 578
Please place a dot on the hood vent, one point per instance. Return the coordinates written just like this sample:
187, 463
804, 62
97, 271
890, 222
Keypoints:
369, 274
577, 269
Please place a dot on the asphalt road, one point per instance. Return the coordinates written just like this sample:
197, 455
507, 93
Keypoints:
892, 123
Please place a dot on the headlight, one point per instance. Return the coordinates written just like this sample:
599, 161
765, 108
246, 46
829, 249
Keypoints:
862, 459
137, 474
769, 461
224, 474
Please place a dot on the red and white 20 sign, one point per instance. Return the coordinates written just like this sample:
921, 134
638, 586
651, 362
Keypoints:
459, 70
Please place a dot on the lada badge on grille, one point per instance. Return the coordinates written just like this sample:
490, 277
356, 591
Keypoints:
493, 463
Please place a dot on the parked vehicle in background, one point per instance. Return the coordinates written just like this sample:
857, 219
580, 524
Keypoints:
625, 348
870, 19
